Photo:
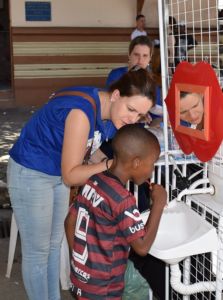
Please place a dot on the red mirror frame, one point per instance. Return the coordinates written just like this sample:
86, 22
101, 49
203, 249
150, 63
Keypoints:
197, 78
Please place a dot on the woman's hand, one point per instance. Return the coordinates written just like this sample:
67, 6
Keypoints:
97, 156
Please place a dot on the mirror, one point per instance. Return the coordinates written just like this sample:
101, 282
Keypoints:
195, 107
192, 110
220, 29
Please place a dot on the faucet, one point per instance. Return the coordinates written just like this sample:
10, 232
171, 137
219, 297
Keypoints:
192, 190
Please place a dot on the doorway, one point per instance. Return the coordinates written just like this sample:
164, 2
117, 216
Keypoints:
5, 48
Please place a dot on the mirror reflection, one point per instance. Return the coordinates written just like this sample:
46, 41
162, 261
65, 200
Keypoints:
192, 110
220, 28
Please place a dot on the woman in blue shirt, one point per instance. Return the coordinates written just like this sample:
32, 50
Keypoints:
139, 54
48, 158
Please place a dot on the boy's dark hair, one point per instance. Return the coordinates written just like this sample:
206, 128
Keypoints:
133, 140
172, 21
141, 40
135, 82
139, 16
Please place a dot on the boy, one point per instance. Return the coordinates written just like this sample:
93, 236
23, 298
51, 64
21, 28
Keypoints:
104, 221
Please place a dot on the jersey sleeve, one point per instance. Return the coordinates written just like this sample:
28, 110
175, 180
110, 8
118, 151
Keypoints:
129, 220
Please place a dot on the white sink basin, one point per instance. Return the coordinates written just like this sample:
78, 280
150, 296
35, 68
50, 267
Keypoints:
182, 233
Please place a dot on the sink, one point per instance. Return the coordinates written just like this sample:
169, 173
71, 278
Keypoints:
182, 233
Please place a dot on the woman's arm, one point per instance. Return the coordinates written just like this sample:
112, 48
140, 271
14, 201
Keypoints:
76, 133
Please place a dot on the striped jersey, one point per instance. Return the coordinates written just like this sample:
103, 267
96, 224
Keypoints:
107, 221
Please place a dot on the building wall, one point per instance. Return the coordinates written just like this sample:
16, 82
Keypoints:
75, 13
75, 48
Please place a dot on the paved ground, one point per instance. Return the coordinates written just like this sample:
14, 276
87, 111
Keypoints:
11, 121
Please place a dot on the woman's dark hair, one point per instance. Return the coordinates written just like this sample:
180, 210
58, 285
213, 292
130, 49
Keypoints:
172, 20
173, 25
135, 82
141, 40
184, 94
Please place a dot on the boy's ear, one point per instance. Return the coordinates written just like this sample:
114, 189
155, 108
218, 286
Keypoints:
136, 162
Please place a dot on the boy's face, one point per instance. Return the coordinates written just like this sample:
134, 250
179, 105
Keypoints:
145, 168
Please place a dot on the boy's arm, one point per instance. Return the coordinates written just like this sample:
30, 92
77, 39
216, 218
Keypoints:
69, 224
142, 245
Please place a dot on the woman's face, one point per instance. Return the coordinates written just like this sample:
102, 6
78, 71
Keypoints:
128, 110
192, 108
140, 56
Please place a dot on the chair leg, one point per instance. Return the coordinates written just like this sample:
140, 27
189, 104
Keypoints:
65, 265
12, 245
64, 261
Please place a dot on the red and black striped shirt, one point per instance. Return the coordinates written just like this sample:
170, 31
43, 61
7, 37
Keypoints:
107, 222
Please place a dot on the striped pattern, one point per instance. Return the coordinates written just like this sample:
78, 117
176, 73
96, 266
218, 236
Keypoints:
103, 233
28, 71
69, 48
46, 59
44, 49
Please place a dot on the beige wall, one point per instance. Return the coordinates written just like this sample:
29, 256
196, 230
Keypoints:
150, 10
88, 13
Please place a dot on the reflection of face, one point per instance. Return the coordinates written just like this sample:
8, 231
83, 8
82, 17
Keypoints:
128, 110
140, 56
192, 108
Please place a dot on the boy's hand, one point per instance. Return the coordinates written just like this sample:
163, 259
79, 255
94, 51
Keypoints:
159, 198
158, 195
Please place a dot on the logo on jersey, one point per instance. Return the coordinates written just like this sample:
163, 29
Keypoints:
137, 227
91, 195
80, 274
135, 215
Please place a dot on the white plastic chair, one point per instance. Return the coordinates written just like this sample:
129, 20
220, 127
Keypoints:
12, 245
64, 260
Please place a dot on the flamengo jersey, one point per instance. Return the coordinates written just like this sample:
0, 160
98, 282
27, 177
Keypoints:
107, 222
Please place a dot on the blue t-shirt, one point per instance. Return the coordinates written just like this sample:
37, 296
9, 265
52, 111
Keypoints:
115, 74
39, 146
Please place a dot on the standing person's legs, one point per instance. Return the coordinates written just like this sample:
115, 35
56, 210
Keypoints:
60, 209
32, 197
